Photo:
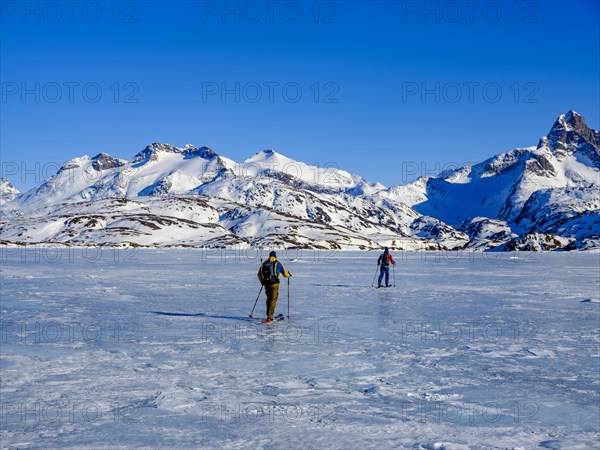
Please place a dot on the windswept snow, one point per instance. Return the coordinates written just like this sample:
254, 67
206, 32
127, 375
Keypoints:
126, 348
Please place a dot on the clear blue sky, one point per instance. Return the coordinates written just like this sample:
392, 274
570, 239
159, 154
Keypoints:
372, 59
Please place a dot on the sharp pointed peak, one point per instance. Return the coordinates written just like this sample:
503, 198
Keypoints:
569, 129
571, 114
570, 121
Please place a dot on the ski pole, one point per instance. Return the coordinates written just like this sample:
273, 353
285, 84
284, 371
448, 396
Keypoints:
375, 276
288, 299
394, 271
261, 288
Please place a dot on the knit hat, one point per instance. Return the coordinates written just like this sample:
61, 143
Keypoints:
273, 254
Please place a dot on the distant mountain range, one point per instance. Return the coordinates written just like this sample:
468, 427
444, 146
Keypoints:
536, 198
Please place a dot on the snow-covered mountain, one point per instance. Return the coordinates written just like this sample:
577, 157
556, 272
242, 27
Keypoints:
7, 191
192, 196
552, 188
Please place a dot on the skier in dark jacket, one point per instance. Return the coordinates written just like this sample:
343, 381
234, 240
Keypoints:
384, 261
268, 275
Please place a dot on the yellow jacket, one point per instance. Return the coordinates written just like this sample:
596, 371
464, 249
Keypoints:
276, 269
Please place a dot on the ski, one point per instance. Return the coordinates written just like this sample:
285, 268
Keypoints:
275, 319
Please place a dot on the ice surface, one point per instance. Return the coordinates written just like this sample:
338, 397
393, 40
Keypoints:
108, 348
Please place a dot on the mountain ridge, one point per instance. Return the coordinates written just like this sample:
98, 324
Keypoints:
501, 203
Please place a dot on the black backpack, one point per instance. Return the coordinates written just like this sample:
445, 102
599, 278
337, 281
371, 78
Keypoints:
267, 271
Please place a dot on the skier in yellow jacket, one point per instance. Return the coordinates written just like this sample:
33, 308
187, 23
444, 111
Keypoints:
268, 275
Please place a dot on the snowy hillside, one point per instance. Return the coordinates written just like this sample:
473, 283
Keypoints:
171, 196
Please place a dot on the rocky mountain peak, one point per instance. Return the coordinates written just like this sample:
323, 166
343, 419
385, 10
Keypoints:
569, 130
6, 187
103, 161
202, 152
152, 150
7, 191
157, 147
574, 121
